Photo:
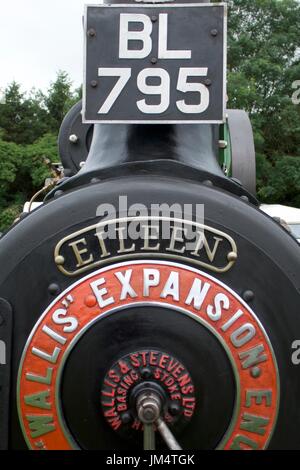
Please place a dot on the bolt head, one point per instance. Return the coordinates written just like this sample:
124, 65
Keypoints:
214, 32
208, 183
95, 180
255, 372
58, 193
91, 33
174, 409
248, 295
54, 289
207, 82
146, 374
94, 83
126, 417
232, 256
59, 260
154, 60
73, 139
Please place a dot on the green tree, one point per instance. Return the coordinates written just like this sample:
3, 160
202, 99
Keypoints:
263, 62
59, 100
23, 119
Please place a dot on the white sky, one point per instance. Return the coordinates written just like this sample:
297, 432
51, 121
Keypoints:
38, 38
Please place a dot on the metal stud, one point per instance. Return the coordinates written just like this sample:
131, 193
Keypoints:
54, 289
126, 417
248, 295
58, 193
223, 144
59, 260
95, 180
174, 409
232, 256
256, 372
73, 139
146, 374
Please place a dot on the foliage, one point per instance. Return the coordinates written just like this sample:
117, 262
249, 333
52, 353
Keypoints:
29, 125
23, 170
263, 63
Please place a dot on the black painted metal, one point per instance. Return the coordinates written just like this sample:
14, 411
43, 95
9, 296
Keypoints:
150, 165
6, 325
140, 328
189, 29
73, 152
242, 148
268, 264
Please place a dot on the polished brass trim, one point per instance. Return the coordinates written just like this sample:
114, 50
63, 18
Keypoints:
232, 254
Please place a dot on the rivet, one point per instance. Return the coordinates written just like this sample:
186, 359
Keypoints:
90, 301
223, 144
208, 183
153, 60
59, 260
58, 193
232, 256
248, 295
256, 372
95, 180
54, 289
146, 373
214, 32
126, 417
207, 82
153, 18
92, 33
174, 409
94, 83
245, 198
73, 139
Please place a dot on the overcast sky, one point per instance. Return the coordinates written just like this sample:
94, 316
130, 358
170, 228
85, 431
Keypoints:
38, 38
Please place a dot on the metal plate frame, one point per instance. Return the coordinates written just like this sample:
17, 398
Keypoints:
149, 121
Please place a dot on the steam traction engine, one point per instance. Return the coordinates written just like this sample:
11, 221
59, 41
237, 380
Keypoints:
114, 335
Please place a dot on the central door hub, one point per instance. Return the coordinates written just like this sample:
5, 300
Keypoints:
144, 385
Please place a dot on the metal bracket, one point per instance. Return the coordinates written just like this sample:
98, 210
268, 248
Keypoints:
6, 323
